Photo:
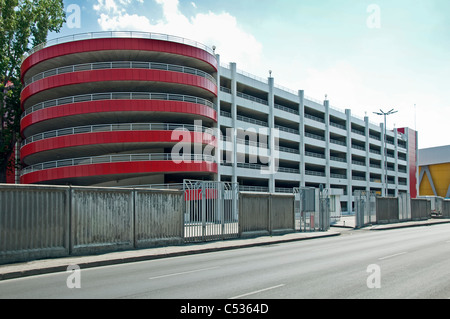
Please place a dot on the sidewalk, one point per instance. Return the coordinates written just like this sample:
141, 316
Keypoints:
349, 222
428, 222
44, 266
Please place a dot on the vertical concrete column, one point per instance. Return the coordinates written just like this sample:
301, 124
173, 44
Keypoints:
384, 186
412, 161
301, 130
408, 161
326, 104
348, 127
234, 119
396, 161
271, 122
217, 133
234, 129
416, 152
366, 121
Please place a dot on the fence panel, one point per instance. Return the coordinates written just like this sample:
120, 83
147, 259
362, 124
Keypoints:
262, 214
387, 210
34, 222
102, 220
254, 218
404, 206
365, 208
282, 213
158, 217
229, 207
420, 209
324, 210
446, 208
306, 216
210, 211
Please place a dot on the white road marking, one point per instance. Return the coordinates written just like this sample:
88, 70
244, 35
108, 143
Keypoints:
256, 291
394, 255
182, 273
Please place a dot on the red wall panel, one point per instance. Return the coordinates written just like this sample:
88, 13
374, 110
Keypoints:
110, 138
119, 168
116, 44
117, 106
116, 75
413, 165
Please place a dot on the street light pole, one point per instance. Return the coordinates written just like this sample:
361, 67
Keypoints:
385, 114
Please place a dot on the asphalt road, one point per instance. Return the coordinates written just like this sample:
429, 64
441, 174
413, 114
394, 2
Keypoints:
400, 263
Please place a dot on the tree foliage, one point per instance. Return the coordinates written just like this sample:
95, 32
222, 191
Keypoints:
23, 24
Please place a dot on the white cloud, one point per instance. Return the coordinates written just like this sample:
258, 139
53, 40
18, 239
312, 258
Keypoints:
219, 29
106, 6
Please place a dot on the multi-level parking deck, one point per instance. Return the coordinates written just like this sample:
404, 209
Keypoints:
316, 143
110, 96
101, 109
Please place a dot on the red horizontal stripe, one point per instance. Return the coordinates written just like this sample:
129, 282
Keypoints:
114, 137
117, 106
121, 44
124, 75
121, 168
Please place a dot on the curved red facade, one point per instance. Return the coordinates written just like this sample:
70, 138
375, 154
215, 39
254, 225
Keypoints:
117, 75
71, 87
140, 107
118, 44
76, 142
115, 170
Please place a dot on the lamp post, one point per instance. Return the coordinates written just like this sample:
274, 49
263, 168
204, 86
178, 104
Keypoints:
385, 114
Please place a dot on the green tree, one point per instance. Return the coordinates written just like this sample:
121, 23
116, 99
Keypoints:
23, 24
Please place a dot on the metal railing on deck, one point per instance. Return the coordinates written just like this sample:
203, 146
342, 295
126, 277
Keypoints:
119, 65
118, 34
116, 159
118, 96
113, 128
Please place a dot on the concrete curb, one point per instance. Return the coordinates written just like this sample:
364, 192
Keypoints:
61, 264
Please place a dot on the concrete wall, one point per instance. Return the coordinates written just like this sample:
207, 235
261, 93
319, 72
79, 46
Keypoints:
101, 219
265, 214
158, 217
34, 222
55, 221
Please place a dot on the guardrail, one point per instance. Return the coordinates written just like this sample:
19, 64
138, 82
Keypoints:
287, 129
314, 118
119, 65
286, 109
115, 159
118, 96
114, 128
118, 34
252, 98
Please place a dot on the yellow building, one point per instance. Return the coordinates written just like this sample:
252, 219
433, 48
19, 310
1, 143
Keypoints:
434, 171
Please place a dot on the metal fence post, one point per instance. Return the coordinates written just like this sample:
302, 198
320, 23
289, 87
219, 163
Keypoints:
202, 197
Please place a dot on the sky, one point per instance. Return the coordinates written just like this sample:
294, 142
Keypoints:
364, 55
